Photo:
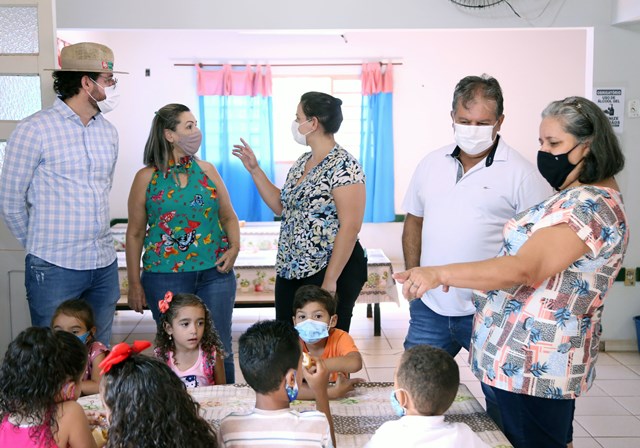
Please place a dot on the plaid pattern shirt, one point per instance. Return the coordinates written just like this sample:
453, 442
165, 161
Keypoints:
55, 184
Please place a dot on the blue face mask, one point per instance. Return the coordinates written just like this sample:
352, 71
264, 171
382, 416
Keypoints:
83, 337
292, 391
395, 404
312, 331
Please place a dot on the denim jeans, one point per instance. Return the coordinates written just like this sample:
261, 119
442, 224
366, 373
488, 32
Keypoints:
450, 333
49, 285
217, 291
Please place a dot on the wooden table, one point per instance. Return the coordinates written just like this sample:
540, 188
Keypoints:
356, 417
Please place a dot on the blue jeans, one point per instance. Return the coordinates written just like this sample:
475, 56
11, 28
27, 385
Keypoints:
531, 422
450, 333
49, 285
217, 291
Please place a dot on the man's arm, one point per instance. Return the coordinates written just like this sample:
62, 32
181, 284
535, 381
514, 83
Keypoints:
22, 156
412, 240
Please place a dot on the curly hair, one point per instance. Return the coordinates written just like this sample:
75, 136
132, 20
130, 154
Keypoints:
268, 350
210, 339
431, 376
36, 365
68, 84
150, 407
81, 310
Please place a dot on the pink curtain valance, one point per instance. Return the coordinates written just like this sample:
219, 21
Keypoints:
375, 79
251, 81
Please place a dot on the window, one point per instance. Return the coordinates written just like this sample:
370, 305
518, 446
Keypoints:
286, 93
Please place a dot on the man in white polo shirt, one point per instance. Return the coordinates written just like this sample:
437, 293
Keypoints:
458, 200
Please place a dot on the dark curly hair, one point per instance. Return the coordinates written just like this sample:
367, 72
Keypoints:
210, 339
68, 84
268, 350
36, 366
431, 376
150, 407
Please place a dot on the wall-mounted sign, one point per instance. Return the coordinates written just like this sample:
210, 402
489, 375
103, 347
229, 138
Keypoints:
611, 101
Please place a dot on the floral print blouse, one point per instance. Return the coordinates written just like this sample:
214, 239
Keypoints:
542, 340
184, 232
309, 215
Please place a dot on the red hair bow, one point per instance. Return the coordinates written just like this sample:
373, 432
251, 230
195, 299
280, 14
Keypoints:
163, 305
120, 352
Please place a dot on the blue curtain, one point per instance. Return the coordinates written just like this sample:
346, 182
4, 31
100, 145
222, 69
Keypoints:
223, 120
376, 154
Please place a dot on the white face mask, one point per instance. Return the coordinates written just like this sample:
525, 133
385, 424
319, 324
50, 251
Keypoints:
297, 135
112, 98
473, 139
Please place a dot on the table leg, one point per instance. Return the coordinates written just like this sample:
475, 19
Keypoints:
376, 319
369, 314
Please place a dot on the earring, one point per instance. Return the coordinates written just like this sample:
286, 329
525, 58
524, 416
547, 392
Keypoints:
170, 337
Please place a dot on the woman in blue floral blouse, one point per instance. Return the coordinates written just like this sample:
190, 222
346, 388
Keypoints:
322, 208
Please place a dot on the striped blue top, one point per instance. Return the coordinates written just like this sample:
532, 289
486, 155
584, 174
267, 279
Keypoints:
55, 184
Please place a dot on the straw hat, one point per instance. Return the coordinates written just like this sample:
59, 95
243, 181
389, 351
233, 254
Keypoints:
86, 57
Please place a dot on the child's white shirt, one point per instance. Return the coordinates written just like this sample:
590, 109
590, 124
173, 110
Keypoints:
420, 431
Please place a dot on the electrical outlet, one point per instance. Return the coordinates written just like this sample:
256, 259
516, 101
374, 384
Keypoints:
633, 108
630, 277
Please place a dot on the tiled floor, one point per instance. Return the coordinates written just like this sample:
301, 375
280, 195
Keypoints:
607, 417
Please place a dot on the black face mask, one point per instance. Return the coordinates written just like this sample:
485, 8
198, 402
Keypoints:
555, 168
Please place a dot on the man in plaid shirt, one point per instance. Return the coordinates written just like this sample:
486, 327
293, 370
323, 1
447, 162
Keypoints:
54, 190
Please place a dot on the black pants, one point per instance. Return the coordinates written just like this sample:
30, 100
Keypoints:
348, 287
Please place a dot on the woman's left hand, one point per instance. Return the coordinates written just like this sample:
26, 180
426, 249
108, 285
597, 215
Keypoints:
226, 262
329, 286
416, 281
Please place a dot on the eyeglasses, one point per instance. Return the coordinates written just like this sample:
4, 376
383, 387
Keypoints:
111, 81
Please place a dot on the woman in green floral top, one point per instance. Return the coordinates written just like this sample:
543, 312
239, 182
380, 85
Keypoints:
322, 208
539, 304
181, 214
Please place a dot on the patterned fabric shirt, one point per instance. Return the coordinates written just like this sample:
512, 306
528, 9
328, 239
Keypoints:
309, 215
542, 340
184, 230
55, 184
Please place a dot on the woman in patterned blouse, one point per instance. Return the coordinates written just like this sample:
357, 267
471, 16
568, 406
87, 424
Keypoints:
539, 304
322, 208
